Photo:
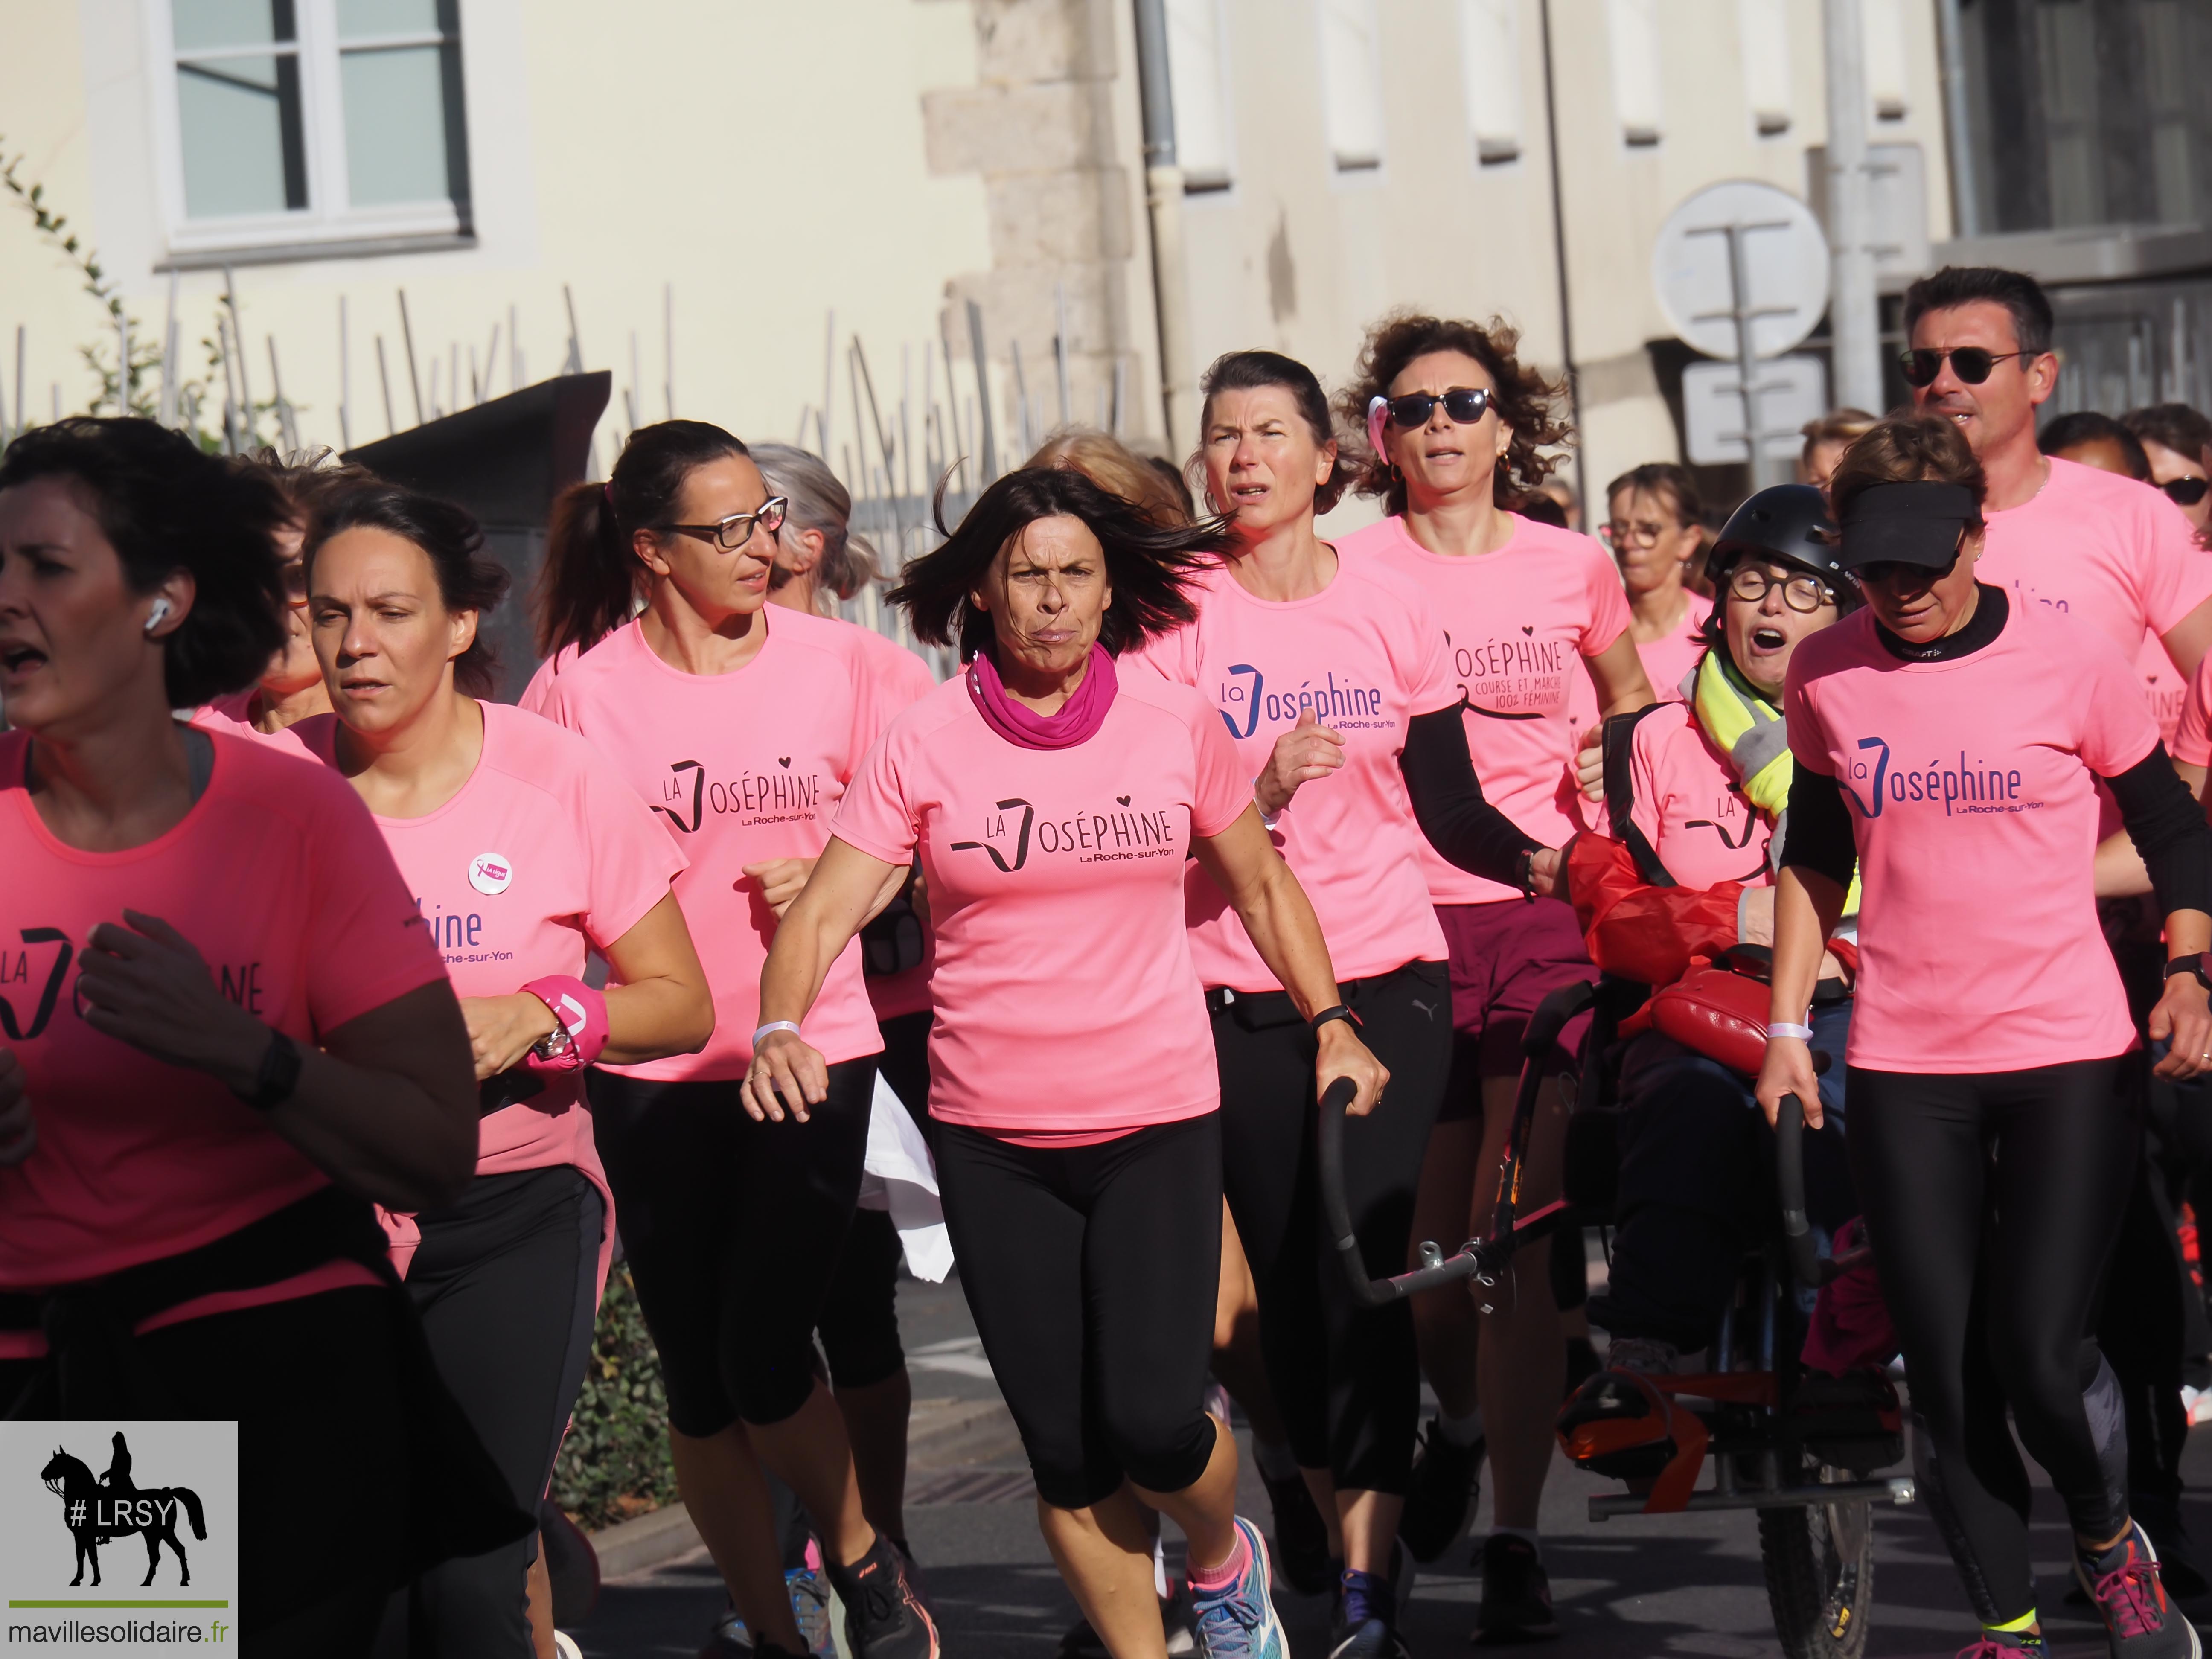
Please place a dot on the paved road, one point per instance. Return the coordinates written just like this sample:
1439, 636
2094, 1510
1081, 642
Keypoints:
1688, 1585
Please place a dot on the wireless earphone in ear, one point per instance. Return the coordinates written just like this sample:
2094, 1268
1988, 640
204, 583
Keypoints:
157, 615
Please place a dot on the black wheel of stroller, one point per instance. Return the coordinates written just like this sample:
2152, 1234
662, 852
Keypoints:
1819, 1573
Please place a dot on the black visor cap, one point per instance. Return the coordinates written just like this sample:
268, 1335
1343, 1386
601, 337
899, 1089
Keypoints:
1916, 522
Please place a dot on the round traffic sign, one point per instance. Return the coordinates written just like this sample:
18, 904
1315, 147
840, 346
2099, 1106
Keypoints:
1779, 249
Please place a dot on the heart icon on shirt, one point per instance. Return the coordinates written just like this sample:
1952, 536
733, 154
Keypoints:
783, 761
1124, 799
1525, 629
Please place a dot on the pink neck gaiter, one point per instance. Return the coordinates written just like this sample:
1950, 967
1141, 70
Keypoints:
1077, 720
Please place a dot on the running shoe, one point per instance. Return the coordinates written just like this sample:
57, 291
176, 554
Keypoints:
1517, 1594
2140, 1622
1440, 1496
1366, 1626
1301, 1535
809, 1589
1990, 1648
1238, 1621
883, 1618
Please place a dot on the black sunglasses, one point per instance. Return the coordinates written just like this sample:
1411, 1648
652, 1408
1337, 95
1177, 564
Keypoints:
1465, 404
2184, 492
1970, 364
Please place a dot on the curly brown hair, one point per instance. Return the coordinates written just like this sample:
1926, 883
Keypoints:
1525, 401
1907, 449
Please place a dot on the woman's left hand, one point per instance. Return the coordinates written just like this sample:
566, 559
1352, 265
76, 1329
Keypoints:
145, 984
779, 881
503, 1029
2183, 1013
787, 1073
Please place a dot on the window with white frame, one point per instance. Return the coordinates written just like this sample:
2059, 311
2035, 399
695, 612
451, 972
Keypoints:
1200, 95
1351, 83
1633, 35
308, 121
1490, 58
1763, 27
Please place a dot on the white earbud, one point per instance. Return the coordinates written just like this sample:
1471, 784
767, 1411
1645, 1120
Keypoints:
157, 615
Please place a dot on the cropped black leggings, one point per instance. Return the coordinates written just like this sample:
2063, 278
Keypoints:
1346, 1376
734, 1229
1993, 1201
1091, 1273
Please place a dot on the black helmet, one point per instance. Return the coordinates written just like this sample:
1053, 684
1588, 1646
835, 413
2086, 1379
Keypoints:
1788, 522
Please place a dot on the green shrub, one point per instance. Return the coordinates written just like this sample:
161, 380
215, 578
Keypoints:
615, 1462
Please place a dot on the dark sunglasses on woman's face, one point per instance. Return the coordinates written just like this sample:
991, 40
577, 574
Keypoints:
1465, 404
1972, 364
2184, 492
1884, 573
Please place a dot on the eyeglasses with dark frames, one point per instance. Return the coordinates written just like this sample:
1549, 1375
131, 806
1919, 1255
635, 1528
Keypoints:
734, 532
1972, 364
1801, 591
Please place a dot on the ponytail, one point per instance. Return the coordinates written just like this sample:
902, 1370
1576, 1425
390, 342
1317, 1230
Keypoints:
589, 584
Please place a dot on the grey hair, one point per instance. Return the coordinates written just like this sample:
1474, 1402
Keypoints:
819, 502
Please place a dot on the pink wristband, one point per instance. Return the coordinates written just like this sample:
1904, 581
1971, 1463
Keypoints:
582, 1013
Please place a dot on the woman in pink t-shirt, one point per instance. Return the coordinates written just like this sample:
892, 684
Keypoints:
1334, 678
524, 849
1054, 797
1989, 1010
1450, 415
258, 1041
1653, 519
742, 725
291, 687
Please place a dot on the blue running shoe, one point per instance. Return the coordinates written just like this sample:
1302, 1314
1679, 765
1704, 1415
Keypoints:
1238, 1621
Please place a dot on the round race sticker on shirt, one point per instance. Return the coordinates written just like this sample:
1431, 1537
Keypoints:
490, 872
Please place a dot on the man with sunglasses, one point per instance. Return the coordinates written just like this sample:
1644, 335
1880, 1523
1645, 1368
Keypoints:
2060, 535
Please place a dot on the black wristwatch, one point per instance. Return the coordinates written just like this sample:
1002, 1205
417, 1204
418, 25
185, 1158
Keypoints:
278, 1076
2195, 966
1340, 1012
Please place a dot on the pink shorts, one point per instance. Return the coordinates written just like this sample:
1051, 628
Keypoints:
1506, 957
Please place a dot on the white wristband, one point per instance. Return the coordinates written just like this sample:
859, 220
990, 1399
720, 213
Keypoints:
1266, 822
774, 1025
1783, 1028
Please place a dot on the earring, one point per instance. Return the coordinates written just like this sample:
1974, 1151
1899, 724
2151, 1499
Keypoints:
157, 615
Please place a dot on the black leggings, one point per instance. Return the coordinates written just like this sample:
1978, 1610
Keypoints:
1992, 1264
507, 1281
732, 1228
1345, 1377
1091, 1273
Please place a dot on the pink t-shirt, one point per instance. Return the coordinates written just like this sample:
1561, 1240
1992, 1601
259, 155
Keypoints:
1973, 792
2191, 742
535, 694
2112, 552
903, 679
543, 851
1518, 622
1365, 653
1689, 805
1067, 1002
234, 714
2165, 687
1665, 662
280, 880
744, 768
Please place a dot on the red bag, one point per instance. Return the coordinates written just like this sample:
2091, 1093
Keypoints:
1715, 1012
